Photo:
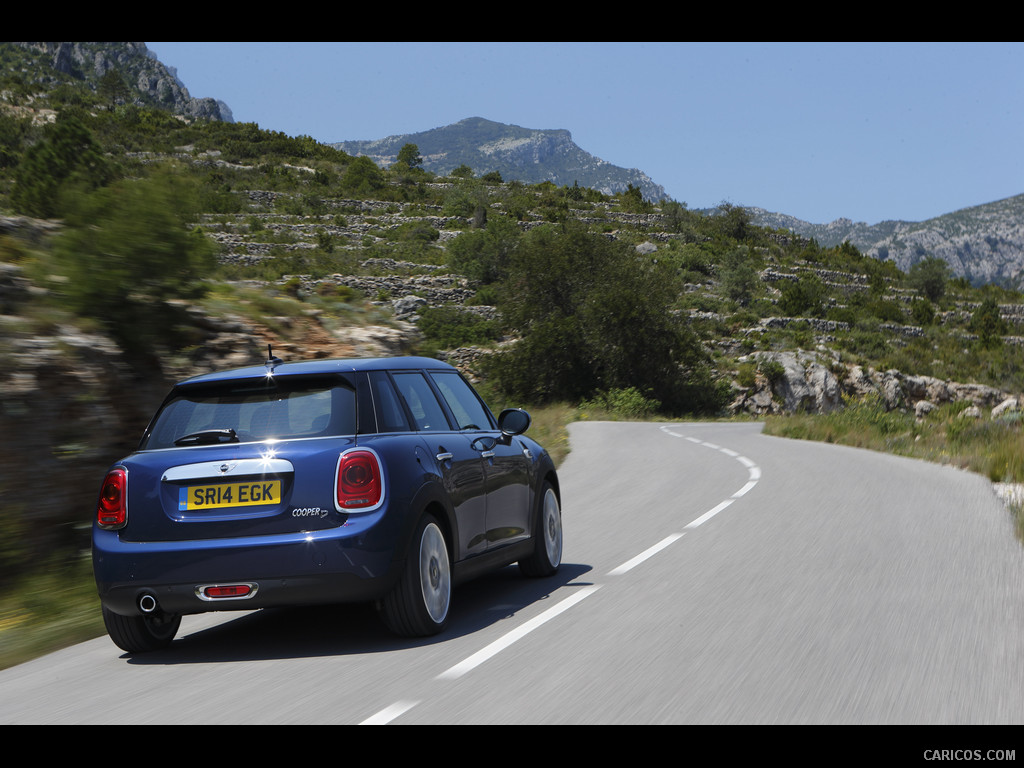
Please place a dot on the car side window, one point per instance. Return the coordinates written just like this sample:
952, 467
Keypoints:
390, 414
423, 405
469, 412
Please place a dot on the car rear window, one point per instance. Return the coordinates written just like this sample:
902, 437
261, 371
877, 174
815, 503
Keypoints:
254, 412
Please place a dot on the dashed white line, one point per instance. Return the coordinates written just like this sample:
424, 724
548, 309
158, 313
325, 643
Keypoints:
506, 640
650, 552
388, 714
742, 491
399, 708
709, 514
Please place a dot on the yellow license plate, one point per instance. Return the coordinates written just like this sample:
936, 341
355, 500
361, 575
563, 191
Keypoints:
198, 497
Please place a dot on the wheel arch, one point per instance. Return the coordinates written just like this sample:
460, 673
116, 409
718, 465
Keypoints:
430, 500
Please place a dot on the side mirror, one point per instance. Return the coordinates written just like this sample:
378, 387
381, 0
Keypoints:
513, 421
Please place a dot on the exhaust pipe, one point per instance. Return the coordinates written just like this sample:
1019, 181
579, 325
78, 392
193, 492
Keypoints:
147, 603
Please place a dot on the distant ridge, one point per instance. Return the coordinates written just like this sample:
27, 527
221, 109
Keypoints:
984, 243
518, 154
146, 80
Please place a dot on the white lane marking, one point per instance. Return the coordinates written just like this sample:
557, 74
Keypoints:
650, 552
388, 714
399, 708
709, 514
510, 637
754, 472
744, 489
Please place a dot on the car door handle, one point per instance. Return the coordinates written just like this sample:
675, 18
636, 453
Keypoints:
444, 456
488, 454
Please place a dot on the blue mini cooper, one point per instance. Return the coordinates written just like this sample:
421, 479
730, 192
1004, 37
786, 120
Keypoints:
379, 480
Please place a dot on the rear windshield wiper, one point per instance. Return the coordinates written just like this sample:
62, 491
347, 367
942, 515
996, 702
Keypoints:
208, 437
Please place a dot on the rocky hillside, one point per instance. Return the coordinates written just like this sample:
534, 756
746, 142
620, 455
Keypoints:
523, 154
984, 243
144, 79
320, 253
363, 274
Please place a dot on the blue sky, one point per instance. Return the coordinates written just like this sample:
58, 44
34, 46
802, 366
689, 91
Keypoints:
867, 131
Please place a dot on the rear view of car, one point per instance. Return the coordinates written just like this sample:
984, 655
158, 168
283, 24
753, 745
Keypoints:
316, 483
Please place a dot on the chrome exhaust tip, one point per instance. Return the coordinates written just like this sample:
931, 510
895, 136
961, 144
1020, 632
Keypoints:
147, 603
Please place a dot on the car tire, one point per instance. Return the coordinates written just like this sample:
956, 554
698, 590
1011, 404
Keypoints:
419, 604
547, 539
141, 634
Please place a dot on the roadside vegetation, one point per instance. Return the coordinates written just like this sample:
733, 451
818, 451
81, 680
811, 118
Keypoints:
583, 305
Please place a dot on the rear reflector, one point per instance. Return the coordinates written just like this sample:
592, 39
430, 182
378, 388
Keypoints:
226, 591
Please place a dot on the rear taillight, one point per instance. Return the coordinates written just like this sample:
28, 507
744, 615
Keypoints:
360, 484
112, 509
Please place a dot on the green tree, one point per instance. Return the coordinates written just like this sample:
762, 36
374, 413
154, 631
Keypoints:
67, 157
128, 250
593, 316
803, 296
363, 177
988, 323
483, 254
409, 156
13, 132
738, 275
466, 199
112, 88
733, 221
922, 311
632, 200
929, 277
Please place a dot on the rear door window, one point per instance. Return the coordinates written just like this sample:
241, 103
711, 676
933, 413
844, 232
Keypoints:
426, 411
469, 411
390, 413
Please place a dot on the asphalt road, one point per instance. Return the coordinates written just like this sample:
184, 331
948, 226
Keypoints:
712, 575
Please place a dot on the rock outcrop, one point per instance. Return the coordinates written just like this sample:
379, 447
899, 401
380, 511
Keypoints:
808, 382
153, 82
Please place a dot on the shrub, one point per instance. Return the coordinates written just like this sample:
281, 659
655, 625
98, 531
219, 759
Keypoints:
594, 316
128, 250
628, 403
450, 327
483, 254
804, 296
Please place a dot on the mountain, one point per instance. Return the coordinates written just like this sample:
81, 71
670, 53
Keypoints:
522, 154
143, 79
984, 243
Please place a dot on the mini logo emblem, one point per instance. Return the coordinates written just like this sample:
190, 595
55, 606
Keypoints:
226, 468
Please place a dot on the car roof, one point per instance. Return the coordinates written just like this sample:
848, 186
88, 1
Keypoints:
324, 366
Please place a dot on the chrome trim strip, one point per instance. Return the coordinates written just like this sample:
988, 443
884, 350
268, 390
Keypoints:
228, 468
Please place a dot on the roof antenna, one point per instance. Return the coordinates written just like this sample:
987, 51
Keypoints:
272, 362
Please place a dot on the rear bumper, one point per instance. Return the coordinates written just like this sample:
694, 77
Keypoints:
334, 566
